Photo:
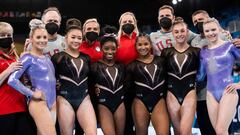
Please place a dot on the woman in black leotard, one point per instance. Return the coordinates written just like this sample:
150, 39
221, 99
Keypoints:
182, 62
108, 77
72, 70
147, 73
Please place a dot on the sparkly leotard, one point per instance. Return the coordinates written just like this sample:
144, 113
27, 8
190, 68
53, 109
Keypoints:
217, 64
41, 73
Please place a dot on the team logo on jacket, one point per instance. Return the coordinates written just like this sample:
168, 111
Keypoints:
97, 49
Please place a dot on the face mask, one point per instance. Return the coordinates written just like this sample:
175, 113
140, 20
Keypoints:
6, 42
166, 23
51, 28
91, 36
128, 28
199, 27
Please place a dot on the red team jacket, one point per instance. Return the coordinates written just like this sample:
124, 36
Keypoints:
126, 52
11, 101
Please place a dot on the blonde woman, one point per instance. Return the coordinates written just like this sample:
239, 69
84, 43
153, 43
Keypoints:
13, 109
217, 61
40, 70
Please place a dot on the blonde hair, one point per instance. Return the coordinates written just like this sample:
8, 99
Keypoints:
120, 25
210, 20
35, 24
13, 50
213, 20
88, 21
3, 25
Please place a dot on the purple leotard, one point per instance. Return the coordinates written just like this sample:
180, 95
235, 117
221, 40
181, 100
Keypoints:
41, 74
217, 64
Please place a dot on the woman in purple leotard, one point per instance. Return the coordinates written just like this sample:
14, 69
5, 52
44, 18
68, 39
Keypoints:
40, 70
217, 62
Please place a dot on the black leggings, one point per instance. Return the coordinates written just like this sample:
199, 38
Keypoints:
17, 124
203, 119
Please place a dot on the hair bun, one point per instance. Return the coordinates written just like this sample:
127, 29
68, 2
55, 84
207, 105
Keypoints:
107, 30
73, 22
34, 23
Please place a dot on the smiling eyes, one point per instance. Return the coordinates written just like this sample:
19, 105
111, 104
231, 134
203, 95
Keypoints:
78, 37
39, 37
143, 44
179, 31
109, 48
208, 30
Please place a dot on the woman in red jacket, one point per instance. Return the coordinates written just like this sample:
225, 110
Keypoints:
127, 53
14, 119
91, 45
127, 34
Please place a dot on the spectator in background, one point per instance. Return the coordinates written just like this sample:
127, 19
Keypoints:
198, 18
51, 17
163, 38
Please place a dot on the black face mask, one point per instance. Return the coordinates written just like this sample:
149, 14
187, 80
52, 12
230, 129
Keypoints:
166, 23
51, 28
199, 27
91, 36
128, 28
6, 42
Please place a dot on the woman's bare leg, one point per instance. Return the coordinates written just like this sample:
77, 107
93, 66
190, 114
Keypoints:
188, 110
160, 119
53, 111
141, 117
86, 117
66, 116
120, 118
174, 112
227, 109
213, 107
42, 117
106, 120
